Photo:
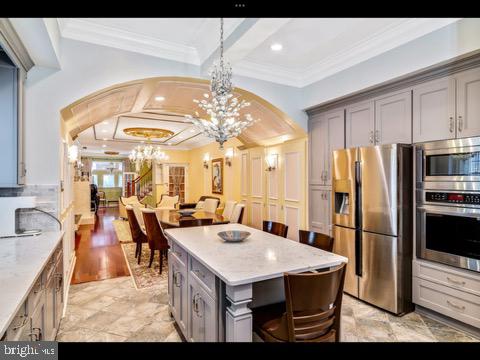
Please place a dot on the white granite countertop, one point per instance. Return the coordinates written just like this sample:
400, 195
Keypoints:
21, 261
260, 257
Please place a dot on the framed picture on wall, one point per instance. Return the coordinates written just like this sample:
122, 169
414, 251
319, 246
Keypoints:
217, 176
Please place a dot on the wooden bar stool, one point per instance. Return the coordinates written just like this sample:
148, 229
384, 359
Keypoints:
311, 311
275, 228
315, 239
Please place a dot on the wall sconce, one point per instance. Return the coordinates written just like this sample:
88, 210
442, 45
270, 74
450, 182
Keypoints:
229, 157
206, 159
272, 160
73, 153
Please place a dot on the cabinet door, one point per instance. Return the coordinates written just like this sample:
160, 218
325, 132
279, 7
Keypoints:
37, 330
434, 110
178, 292
336, 139
360, 124
318, 140
393, 119
202, 314
50, 308
319, 210
468, 104
59, 300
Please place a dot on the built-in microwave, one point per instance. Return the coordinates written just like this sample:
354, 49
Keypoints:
448, 161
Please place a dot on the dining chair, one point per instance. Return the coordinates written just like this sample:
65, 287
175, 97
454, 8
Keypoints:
315, 239
228, 209
102, 197
275, 228
168, 202
210, 205
156, 237
311, 311
237, 214
138, 235
195, 222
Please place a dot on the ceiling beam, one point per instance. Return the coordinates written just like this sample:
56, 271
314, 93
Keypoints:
249, 34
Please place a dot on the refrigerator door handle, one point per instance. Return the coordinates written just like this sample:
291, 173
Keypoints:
358, 252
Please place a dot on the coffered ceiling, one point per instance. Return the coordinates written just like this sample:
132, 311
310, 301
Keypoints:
313, 48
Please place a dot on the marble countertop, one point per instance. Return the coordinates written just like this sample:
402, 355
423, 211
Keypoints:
21, 261
260, 257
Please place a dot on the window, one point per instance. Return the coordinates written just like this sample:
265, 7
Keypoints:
108, 180
95, 179
107, 174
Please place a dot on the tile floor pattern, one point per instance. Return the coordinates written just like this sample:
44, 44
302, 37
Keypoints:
113, 310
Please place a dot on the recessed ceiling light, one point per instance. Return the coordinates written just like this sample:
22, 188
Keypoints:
105, 123
276, 47
159, 98
105, 139
104, 131
104, 145
192, 130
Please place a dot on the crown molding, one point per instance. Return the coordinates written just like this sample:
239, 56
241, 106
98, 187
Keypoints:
382, 41
83, 30
13, 46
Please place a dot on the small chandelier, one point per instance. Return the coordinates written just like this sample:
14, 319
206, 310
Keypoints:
221, 106
148, 153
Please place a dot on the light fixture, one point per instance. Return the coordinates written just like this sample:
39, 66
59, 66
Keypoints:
104, 146
147, 153
271, 160
276, 47
105, 122
159, 98
104, 131
222, 108
206, 159
229, 156
73, 153
104, 139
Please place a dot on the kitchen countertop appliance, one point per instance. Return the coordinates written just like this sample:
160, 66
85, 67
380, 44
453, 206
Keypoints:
372, 223
448, 202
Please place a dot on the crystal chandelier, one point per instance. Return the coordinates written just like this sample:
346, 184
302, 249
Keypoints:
146, 154
221, 106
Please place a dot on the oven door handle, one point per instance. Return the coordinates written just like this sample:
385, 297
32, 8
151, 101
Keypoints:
472, 213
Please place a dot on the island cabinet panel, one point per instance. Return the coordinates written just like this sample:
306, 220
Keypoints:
434, 110
202, 319
468, 104
50, 308
178, 297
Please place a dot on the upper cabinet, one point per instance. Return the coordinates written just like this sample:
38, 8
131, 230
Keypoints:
434, 110
468, 104
393, 119
448, 108
360, 124
326, 134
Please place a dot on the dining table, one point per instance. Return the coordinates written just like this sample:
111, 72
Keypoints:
172, 217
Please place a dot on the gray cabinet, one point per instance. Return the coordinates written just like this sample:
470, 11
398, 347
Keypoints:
393, 119
468, 104
178, 291
360, 124
434, 110
320, 209
202, 317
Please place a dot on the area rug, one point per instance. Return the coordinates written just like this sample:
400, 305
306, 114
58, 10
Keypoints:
122, 229
143, 276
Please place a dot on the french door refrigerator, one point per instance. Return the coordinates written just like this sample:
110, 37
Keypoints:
372, 223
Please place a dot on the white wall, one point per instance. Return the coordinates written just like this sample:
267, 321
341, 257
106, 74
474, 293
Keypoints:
443, 44
87, 68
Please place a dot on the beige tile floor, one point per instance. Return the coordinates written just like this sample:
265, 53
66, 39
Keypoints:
113, 310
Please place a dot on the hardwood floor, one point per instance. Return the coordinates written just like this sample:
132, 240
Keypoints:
98, 251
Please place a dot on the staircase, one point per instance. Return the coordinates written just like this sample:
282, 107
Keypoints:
141, 186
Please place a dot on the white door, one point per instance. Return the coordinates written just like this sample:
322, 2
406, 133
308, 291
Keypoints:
244, 185
256, 189
468, 104
273, 194
393, 119
434, 110
335, 139
318, 143
293, 196
360, 124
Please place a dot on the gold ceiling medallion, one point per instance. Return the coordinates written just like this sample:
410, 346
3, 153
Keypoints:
148, 133
111, 152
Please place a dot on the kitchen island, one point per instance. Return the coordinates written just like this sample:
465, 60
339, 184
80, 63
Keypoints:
213, 284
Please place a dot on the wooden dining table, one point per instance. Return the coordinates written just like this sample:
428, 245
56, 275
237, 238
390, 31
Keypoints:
172, 217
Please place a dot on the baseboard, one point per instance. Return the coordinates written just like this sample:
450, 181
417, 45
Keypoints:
473, 331
72, 266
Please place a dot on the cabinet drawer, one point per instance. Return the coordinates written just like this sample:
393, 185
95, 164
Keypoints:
446, 276
19, 324
203, 276
36, 293
457, 304
179, 252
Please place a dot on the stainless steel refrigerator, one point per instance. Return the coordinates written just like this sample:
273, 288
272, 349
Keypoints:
372, 223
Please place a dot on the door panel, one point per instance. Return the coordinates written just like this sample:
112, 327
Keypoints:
379, 189
360, 123
344, 245
393, 119
468, 104
434, 111
378, 283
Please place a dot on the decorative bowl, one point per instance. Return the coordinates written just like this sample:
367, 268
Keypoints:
234, 235
187, 212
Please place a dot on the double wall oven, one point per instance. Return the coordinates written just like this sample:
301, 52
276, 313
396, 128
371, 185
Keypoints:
448, 202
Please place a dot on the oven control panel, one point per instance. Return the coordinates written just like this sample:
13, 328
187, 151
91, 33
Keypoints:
453, 198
